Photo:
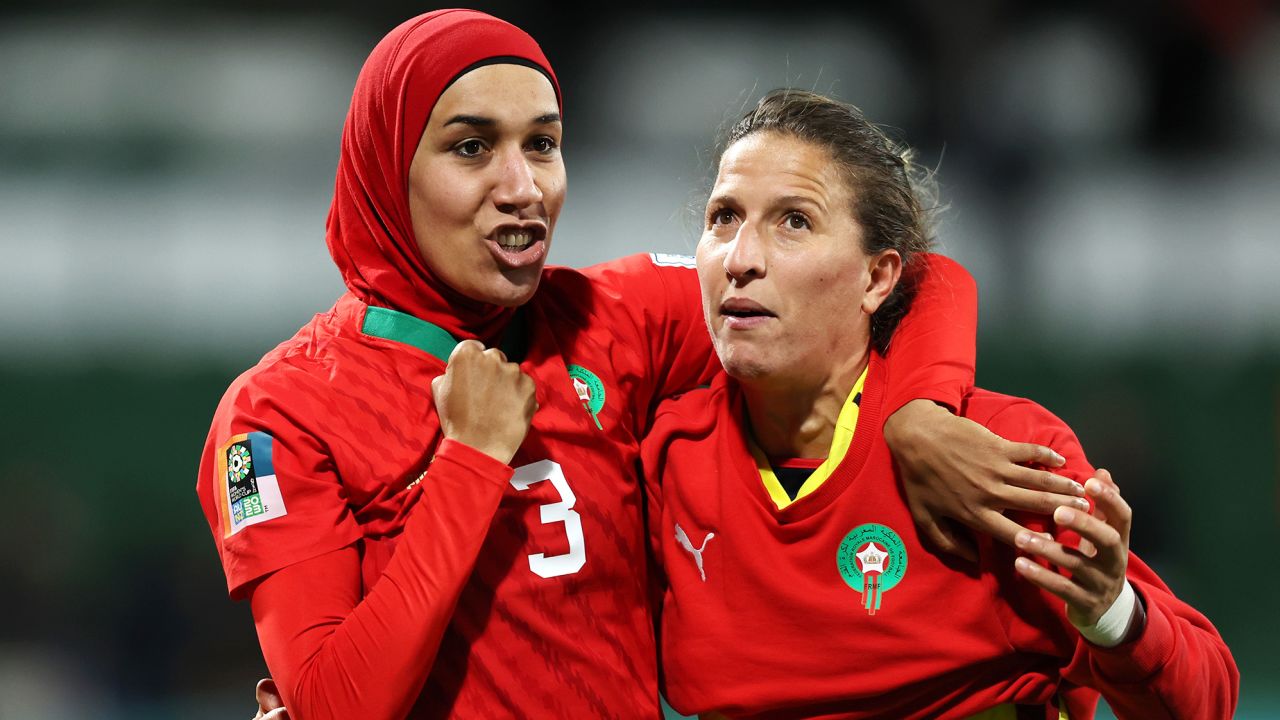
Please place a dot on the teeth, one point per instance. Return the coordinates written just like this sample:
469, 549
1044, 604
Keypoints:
515, 240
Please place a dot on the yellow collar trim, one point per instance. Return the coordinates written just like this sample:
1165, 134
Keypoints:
841, 439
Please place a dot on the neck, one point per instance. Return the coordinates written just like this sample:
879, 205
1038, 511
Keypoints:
796, 417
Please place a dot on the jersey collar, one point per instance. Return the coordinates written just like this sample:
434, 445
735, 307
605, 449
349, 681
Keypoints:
432, 339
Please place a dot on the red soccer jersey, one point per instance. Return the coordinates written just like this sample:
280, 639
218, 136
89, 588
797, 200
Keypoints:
340, 420
337, 426
833, 607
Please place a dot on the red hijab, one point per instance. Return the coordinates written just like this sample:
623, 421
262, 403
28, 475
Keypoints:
369, 232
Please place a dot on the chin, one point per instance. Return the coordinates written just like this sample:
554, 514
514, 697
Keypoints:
514, 293
740, 365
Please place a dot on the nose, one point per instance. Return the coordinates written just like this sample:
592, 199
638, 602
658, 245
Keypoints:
517, 186
745, 260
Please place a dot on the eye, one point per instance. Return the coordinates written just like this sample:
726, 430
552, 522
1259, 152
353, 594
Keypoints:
543, 144
721, 216
797, 221
470, 148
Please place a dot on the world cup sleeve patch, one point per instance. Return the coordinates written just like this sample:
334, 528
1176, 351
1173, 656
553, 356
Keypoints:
248, 492
673, 260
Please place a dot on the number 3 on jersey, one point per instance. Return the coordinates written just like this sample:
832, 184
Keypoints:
563, 512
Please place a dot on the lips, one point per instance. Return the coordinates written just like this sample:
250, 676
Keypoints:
744, 307
743, 313
518, 245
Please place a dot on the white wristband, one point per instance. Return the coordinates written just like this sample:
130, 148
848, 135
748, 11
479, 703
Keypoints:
1113, 626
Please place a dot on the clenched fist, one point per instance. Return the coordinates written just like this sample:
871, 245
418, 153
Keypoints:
484, 401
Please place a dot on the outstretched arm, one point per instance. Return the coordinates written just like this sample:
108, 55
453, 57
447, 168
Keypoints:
953, 468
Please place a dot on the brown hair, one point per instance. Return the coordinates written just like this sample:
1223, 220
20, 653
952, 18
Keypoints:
893, 197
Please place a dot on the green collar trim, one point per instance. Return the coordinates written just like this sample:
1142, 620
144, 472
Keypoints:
434, 340
402, 328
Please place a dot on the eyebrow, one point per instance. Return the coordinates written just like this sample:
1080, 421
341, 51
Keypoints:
776, 202
798, 200
478, 121
721, 200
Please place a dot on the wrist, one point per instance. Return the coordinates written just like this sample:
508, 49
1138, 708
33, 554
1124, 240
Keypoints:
906, 424
1118, 623
495, 450
456, 450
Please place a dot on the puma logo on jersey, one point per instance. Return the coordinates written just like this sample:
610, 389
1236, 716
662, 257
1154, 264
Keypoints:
683, 539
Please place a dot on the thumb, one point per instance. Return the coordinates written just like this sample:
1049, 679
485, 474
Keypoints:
268, 695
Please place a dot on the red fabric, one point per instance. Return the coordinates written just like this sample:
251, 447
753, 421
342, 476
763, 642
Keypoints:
362, 570
327, 666
797, 463
766, 625
370, 233
934, 349
339, 609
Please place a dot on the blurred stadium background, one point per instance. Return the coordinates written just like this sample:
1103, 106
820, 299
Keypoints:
1113, 171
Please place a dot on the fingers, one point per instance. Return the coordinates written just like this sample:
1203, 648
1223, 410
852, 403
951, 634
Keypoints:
1096, 577
1037, 454
1112, 507
947, 540
1105, 538
466, 347
1041, 503
1087, 549
997, 526
473, 348
1054, 582
1055, 552
280, 714
1043, 480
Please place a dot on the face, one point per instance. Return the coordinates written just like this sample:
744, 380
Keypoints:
487, 183
786, 288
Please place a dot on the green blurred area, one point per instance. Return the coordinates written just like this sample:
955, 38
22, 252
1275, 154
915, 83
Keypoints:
116, 571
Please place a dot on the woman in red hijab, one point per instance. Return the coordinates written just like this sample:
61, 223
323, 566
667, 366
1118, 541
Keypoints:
414, 539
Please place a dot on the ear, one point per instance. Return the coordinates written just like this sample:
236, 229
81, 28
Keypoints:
884, 269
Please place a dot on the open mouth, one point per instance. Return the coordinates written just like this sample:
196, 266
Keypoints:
743, 308
515, 240
741, 313
518, 246
747, 313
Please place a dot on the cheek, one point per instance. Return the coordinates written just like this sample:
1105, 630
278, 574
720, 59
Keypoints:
554, 185
711, 278
441, 199
824, 292
444, 217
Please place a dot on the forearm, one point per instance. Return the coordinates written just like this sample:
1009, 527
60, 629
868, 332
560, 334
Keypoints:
337, 655
933, 351
1177, 666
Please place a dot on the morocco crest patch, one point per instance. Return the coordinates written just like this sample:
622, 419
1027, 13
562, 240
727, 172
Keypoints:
590, 391
872, 559
248, 492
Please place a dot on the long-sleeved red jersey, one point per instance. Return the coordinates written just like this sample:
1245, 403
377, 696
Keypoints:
384, 588
833, 606
505, 594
